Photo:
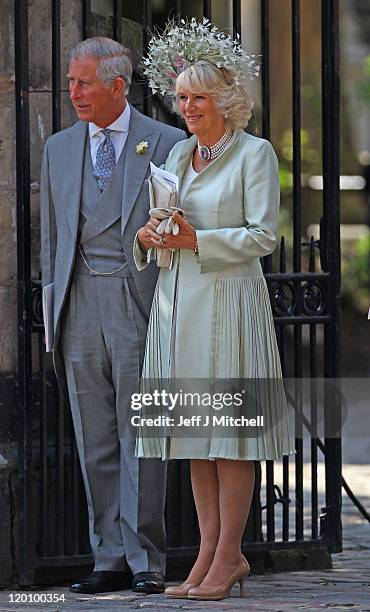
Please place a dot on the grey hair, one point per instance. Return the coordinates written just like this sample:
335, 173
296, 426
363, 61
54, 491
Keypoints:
114, 58
230, 95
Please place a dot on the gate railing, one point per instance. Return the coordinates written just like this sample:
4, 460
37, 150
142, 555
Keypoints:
52, 511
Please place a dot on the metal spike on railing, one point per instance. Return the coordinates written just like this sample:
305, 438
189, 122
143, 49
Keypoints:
312, 255
282, 255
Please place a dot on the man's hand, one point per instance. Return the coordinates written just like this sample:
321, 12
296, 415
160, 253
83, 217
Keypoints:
147, 233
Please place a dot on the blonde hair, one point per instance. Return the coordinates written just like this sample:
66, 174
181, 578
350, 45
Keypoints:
231, 99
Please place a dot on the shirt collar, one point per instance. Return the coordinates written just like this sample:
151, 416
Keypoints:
121, 124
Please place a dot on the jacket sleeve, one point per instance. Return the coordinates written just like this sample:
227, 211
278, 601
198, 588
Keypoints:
141, 259
48, 224
224, 247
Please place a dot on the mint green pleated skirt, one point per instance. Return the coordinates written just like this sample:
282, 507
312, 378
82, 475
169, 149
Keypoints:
215, 326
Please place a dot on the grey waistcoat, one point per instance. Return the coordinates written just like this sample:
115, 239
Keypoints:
100, 220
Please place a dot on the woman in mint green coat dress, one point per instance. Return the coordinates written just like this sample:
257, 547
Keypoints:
211, 316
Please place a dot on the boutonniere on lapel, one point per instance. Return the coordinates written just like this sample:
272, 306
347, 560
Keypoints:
142, 147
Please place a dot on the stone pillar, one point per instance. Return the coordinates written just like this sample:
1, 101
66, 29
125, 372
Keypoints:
8, 291
8, 259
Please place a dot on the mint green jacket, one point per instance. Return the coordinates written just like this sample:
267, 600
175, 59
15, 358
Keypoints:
211, 315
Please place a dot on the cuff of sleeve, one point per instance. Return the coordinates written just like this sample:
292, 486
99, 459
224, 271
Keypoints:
196, 254
141, 258
204, 257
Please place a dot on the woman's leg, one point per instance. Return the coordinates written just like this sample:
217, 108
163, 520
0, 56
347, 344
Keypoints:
236, 483
204, 481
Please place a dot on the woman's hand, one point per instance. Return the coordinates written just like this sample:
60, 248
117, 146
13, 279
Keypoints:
185, 239
147, 233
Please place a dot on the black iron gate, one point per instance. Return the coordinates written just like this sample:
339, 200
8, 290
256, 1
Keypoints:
52, 513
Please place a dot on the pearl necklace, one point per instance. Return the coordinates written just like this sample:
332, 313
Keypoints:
209, 153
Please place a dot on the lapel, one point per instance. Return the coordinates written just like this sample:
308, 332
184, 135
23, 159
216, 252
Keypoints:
136, 165
73, 162
182, 161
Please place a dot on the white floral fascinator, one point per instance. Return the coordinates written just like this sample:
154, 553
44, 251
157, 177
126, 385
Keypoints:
183, 44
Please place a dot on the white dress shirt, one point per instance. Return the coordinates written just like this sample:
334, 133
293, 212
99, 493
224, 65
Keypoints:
118, 136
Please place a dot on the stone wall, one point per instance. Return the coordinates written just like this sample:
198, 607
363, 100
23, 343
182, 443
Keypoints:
8, 290
8, 244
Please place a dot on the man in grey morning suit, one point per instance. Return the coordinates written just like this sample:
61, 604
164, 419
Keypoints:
93, 200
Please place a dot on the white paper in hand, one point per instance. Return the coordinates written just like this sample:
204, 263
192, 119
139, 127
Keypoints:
164, 174
48, 312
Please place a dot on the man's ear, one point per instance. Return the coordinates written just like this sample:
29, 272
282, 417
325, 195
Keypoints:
119, 87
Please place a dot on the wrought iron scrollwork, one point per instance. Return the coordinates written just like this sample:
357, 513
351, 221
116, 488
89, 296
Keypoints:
298, 295
313, 298
279, 498
37, 318
283, 298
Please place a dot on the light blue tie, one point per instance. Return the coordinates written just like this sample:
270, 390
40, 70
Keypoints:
105, 161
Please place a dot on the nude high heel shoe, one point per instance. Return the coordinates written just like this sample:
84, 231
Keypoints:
222, 591
181, 591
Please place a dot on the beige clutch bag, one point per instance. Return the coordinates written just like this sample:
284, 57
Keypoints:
163, 199
161, 193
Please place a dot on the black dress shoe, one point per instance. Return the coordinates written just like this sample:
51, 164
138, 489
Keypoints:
101, 582
148, 582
